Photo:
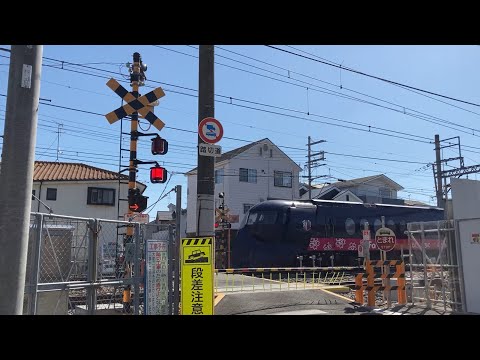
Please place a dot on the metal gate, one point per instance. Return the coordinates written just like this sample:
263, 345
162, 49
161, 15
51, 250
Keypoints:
433, 275
84, 266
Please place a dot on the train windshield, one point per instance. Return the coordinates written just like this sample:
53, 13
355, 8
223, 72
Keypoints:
262, 217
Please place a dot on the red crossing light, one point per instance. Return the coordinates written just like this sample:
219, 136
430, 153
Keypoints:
159, 146
158, 174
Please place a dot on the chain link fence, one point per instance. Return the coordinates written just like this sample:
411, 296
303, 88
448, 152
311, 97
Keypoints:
88, 266
432, 273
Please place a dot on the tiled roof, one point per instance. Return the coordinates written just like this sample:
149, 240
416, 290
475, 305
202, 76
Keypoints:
62, 171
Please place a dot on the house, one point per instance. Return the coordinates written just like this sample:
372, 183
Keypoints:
247, 175
378, 189
80, 190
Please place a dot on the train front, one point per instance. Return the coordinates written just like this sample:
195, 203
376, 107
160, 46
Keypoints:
261, 231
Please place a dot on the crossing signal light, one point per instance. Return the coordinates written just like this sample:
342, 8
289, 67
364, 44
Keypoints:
159, 146
216, 224
158, 174
136, 201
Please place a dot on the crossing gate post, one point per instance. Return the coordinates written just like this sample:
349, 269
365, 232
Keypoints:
401, 290
370, 284
359, 288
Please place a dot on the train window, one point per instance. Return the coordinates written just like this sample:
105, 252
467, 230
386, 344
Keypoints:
350, 226
252, 217
377, 224
403, 226
262, 217
362, 222
391, 225
267, 217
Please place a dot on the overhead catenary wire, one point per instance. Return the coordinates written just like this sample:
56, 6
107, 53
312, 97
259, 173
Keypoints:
402, 109
376, 77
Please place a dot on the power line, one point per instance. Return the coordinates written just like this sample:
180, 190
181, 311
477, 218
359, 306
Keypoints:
419, 93
261, 104
375, 158
423, 116
374, 77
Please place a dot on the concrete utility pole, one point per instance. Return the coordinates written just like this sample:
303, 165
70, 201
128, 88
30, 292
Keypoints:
438, 174
178, 239
16, 174
206, 164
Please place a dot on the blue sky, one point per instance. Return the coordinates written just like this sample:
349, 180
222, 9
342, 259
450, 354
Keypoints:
88, 138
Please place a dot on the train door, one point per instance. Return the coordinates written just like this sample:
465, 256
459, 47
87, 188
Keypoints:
301, 221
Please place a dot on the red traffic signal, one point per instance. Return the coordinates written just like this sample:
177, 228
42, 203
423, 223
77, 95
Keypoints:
158, 174
159, 146
216, 225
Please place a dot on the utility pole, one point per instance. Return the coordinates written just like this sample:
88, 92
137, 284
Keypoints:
59, 126
311, 161
178, 210
16, 174
438, 173
309, 169
206, 164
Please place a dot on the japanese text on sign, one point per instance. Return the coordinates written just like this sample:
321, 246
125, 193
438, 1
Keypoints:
197, 276
156, 281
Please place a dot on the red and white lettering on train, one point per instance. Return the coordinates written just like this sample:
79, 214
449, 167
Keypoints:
351, 244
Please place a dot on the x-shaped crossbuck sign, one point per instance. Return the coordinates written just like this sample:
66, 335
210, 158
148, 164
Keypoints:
135, 104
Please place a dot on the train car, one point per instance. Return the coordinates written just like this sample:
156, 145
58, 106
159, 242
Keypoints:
275, 233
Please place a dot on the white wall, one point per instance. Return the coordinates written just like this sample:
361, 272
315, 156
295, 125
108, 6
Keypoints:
465, 200
72, 199
238, 193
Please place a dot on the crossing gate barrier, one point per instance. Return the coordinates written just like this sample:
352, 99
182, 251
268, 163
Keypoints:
399, 274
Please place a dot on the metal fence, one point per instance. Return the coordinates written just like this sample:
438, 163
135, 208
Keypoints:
281, 279
433, 272
84, 266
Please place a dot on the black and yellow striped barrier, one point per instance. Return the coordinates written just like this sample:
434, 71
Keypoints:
399, 274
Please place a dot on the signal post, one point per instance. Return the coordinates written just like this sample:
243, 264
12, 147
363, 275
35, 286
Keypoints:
136, 105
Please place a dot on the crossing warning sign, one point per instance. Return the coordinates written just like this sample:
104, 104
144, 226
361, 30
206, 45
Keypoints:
141, 104
197, 276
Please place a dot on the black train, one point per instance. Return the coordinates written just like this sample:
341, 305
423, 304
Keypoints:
275, 233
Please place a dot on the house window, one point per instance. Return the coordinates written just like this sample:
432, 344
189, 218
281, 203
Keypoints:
248, 175
271, 153
100, 196
51, 194
384, 192
283, 179
347, 197
246, 207
33, 194
219, 176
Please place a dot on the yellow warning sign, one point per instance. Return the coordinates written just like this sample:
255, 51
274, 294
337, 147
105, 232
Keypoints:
197, 276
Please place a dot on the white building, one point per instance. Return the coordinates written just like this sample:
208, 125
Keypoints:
378, 189
80, 190
248, 175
